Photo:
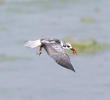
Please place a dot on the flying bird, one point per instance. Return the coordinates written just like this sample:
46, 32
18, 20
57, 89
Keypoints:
55, 48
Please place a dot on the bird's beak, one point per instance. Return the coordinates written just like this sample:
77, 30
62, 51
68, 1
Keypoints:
74, 51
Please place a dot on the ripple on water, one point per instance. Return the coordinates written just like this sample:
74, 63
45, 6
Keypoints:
7, 58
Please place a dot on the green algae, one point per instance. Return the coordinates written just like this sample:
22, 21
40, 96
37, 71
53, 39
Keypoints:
17, 10
97, 10
88, 20
87, 46
1, 2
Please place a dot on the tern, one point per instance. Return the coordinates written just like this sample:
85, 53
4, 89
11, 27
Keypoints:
55, 48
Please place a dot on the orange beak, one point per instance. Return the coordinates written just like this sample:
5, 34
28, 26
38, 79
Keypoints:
74, 51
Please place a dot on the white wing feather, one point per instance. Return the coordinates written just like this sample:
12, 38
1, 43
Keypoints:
33, 44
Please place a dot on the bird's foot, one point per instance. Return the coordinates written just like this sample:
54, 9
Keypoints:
39, 53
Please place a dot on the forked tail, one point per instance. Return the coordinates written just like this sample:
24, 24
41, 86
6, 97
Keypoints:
33, 44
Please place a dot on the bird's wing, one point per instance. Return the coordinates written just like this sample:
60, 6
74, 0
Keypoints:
59, 55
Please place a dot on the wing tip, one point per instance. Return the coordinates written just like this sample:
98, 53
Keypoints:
73, 70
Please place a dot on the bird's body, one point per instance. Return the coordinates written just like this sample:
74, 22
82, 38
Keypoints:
55, 49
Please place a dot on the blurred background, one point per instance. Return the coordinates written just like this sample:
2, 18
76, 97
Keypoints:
26, 76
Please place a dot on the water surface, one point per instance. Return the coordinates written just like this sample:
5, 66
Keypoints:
26, 76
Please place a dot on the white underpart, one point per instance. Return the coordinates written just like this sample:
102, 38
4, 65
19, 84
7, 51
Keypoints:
33, 44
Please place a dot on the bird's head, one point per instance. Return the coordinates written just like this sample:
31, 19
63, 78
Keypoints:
69, 47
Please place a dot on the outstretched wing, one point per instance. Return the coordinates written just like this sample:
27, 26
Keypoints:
59, 55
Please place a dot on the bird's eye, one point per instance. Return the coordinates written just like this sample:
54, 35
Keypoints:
64, 45
68, 46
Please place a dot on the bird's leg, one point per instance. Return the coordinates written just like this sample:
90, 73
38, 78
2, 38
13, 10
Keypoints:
40, 50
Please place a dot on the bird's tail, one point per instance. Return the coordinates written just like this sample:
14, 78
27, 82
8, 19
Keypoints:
32, 44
